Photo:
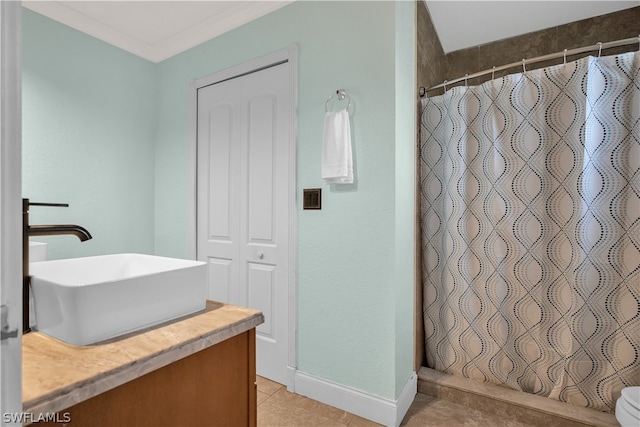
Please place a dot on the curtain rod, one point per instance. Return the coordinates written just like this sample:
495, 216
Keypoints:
599, 46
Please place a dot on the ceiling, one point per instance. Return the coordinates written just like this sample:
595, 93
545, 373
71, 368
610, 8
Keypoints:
157, 30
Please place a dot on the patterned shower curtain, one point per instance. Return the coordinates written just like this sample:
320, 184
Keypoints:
530, 198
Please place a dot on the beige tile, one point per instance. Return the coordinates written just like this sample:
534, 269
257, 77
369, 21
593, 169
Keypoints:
506, 403
267, 386
429, 411
278, 407
262, 397
284, 398
271, 414
420, 404
357, 421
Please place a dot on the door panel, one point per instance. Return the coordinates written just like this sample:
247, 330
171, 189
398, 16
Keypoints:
244, 204
219, 173
261, 295
260, 191
219, 277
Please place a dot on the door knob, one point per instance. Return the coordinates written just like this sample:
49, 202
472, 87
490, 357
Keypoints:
260, 255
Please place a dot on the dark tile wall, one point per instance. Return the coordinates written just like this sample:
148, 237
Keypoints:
613, 26
431, 59
431, 65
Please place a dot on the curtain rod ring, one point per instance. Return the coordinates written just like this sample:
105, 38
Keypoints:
493, 73
599, 50
565, 57
524, 68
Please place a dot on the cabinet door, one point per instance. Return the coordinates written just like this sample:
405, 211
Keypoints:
213, 387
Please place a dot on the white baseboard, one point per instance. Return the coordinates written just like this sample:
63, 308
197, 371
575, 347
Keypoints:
406, 397
380, 410
291, 379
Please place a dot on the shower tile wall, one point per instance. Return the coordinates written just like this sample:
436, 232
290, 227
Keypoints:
430, 71
431, 59
613, 26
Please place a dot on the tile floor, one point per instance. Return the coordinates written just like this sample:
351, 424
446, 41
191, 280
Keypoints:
278, 407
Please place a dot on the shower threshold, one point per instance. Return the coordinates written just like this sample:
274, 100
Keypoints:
509, 404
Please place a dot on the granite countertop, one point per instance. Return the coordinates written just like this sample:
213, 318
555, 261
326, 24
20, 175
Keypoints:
56, 375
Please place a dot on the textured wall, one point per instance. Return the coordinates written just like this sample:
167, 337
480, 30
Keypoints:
405, 191
88, 134
348, 291
110, 133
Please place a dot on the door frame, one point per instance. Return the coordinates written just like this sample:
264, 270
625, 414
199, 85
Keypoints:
290, 55
11, 208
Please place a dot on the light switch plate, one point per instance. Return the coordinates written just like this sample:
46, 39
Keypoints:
312, 198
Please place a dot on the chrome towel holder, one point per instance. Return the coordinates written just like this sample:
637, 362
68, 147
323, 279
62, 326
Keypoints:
341, 94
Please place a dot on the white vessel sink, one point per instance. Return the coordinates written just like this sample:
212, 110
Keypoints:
85, 300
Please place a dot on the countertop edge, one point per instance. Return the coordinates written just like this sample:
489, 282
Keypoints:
74, 394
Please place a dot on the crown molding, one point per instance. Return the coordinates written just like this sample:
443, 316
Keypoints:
216, 25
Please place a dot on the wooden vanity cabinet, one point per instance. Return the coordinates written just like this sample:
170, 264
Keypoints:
213, 387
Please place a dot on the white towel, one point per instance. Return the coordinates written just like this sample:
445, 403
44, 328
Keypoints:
337, 163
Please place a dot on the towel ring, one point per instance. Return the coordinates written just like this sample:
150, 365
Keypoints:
341, 94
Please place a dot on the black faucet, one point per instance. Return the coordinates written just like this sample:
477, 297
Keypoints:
40, 230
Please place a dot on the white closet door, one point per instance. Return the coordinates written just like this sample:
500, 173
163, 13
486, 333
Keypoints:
243, 203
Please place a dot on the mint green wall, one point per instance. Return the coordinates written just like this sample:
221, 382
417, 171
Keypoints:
348, 279
88, 138
405, 190
125, 123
